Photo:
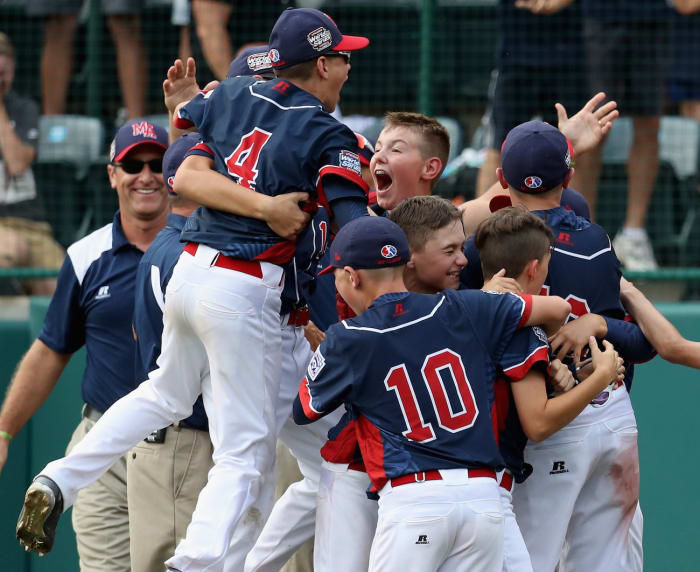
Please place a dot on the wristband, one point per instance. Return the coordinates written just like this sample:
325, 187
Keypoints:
5, 435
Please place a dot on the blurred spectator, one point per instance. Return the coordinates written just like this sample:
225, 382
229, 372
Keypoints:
61, 18
684, 83
626, 48
539, 62
180, 18
211, 18
25, 237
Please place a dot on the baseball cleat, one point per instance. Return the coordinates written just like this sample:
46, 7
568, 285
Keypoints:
43, 505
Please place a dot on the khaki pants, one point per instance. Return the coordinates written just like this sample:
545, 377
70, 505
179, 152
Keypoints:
101, 517
288, 473
164, 480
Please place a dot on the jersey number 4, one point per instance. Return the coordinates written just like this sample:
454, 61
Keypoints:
242, 164
397, 380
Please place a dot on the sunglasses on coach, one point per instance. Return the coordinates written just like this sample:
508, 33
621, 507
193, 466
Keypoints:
134, 166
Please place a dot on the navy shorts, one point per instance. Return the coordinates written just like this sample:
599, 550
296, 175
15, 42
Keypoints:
519, 92
628, 61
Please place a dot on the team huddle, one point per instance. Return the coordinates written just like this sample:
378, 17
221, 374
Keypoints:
464, 401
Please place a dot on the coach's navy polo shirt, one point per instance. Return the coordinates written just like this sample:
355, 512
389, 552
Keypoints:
93, 305
152, 277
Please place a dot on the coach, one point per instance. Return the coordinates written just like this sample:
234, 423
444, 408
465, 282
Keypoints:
93, 306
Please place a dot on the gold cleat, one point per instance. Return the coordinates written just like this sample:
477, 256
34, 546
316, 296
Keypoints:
43, 505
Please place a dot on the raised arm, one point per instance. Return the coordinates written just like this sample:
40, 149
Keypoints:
33, 381
662, 334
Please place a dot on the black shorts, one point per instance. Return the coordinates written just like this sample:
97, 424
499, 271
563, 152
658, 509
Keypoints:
628, 61
519, 93
56, 7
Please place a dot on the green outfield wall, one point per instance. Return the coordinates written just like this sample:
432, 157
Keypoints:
665, 398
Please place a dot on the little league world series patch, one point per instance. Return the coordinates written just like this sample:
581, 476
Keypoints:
350, 161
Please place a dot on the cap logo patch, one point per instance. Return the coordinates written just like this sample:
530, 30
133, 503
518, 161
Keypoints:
389, 251
567, 159
350, 161
274, 56
257, 62
171, 181
144, 129
533, 182
320, 39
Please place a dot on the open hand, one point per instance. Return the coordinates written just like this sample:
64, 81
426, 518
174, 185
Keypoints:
586, 129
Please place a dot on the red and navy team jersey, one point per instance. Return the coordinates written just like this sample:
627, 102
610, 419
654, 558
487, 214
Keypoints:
528, 349
416, 371
274, 138
586, 273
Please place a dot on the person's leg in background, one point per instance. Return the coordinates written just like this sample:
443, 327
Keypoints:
132, 64
57, 62
211, 19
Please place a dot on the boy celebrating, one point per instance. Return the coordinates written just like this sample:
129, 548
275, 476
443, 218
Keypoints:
433, 439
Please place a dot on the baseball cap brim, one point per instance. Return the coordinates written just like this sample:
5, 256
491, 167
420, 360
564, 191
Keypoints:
327, 270
133, 146
351, 43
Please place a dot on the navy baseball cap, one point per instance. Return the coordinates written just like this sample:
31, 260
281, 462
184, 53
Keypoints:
175, 155
134, 134
302, 34
369, 242
252, 61
535, 157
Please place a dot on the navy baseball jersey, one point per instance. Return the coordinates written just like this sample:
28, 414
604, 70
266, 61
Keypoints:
300, 271
93, 305
417, 373
528, 349
152, 277
581, 249
274, 138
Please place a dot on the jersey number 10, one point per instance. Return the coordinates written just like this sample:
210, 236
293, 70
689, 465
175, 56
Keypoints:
397, 380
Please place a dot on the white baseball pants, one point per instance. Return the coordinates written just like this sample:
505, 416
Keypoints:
584, 490
228, 322
451, 525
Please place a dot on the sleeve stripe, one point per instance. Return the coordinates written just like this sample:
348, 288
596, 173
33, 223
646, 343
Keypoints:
345, 173
180, 122
305, 398
518, 371
202, 147
527, 309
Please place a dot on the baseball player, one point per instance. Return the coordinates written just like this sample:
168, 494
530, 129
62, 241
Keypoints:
161, 505
520, 242
426, 427
92, 306
227, 284
575, 492
585, 130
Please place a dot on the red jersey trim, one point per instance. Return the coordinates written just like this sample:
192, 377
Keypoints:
280, 253
519, 371
372, 448
180, 122
305, 398
527, 310
342, 448
202, 147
